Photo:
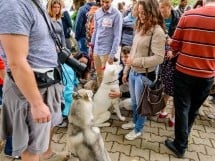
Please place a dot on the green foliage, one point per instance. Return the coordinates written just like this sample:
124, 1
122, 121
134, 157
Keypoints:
175, 2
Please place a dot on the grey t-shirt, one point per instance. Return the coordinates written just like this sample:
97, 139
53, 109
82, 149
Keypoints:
22, 17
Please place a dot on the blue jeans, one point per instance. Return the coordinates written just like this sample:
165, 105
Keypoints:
82, 45
136, 86
189, 94
8, 146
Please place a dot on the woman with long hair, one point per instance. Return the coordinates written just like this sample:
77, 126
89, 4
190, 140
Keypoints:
144, 58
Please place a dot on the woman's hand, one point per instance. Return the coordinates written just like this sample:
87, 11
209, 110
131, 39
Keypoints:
169, 55
114, 94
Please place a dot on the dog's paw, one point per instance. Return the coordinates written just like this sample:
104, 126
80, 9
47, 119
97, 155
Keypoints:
122, 118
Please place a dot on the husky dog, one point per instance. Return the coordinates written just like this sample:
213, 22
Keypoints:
102, 101
84, 141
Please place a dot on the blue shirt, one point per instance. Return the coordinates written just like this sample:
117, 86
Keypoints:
107, 32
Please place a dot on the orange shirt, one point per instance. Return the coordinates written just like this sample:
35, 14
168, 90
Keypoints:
1, 67
194, 41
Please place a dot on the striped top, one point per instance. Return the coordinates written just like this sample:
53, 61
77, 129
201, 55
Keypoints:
194, 41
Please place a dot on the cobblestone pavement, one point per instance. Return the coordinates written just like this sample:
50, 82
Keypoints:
150, 147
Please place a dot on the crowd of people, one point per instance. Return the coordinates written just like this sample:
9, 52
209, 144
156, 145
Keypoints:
36, 89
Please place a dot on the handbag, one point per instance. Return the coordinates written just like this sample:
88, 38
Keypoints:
152, 98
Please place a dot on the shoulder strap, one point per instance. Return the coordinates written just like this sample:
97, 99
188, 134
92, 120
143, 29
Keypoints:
150, 43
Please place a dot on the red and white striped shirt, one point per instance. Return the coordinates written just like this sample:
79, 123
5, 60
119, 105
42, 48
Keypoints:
194, 41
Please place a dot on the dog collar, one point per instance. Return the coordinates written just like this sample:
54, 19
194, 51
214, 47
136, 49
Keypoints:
112, 82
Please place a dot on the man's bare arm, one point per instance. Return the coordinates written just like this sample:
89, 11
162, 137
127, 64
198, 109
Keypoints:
16, 49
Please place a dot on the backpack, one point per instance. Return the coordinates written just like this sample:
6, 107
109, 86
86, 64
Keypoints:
90, 22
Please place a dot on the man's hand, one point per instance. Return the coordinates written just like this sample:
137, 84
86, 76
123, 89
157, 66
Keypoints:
110, 60
114, 94
41, 114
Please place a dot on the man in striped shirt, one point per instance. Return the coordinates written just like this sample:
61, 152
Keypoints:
194, 42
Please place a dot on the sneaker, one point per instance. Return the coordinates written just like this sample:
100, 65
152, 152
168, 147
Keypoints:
211, 116
132, 135
13, 157
129, 125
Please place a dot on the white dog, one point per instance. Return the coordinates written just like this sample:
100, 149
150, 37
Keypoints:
84, 141
102, 101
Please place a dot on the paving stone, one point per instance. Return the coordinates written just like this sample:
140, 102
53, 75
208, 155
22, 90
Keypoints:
3, 158
203, 122
151, 130
199, 127
157, 138
143, 153
210, 130
172, 158
203, 157
166, 133
210, 151
158, 125
206, 135
121, 131
197, 148
201, 141
158, 157
150, 145
195, 133
164, 150
112, 130
115, 138
124, 157
121, 148
213, 143
108, 145
117, 123
191, 155
104, 135
114, 156
136, 142
146, 135
142, 159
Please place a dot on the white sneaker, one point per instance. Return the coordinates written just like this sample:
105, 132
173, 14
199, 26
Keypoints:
129, 125
132, 135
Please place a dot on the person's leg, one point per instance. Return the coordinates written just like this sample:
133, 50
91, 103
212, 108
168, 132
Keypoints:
182, 102
49, 151
82, 45
140, 82
199, 95
98, 67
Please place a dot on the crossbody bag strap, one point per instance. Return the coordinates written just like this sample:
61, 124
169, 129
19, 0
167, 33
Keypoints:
149, 49
50, 26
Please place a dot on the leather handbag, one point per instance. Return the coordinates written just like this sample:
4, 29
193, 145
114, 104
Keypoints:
152, 98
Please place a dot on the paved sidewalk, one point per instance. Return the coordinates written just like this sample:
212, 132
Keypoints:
150, 147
